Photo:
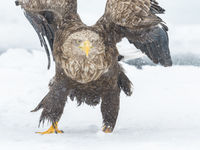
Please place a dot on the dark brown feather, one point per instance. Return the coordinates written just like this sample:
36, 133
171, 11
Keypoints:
137, 21
46, 16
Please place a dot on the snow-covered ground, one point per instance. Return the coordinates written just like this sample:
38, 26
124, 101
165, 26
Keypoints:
162, 114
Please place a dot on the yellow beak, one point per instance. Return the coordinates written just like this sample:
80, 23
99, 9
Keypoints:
86, 46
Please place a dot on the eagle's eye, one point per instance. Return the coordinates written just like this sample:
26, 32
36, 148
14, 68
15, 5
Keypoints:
94, 42
76, 42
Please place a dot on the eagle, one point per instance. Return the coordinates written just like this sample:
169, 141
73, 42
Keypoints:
86, 58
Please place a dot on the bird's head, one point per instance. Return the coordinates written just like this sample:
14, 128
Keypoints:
84, 43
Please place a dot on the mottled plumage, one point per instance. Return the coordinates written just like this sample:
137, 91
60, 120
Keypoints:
86, 57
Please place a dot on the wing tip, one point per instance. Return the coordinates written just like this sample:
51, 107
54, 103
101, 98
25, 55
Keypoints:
17, 3
168, 64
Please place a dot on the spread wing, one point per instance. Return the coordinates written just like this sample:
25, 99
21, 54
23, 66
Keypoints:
137, 21
46, 16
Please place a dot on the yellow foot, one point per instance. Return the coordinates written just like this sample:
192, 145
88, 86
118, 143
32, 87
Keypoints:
107, 129
52, 129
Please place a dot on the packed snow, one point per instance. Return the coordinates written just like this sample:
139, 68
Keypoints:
162, 114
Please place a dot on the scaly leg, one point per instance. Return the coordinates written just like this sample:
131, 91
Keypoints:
53, 104
52, 129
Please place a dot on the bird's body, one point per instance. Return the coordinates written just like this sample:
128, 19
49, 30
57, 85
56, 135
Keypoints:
86, 57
